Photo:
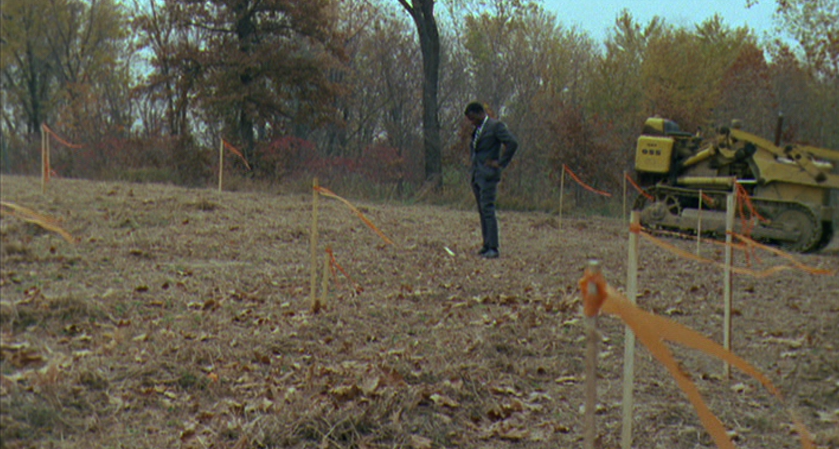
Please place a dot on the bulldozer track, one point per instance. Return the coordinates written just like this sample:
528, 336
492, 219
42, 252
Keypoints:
778, 215
808, 243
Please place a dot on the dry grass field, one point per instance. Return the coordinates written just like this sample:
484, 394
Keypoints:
181, 319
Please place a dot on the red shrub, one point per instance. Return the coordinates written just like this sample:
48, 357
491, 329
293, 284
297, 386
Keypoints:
382, 164
283, 156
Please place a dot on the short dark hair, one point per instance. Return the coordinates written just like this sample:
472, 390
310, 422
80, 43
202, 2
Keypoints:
474, 108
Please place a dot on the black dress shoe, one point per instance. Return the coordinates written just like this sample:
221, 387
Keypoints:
483, 251
490, 254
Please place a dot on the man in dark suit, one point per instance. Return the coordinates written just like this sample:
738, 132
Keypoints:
487, 164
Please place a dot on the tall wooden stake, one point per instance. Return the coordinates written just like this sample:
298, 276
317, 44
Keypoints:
591, 369
220, 163
624, 195
561, 195
729, 229
43, 159
313, 240
324, 286
629, 348
699, 224
48, 164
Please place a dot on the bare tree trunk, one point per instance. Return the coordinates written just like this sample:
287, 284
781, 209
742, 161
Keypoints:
422, 11
246, 34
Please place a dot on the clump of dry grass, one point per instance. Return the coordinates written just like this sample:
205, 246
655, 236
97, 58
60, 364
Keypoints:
14, 238
205, 205
16, 248
828, 438
53, 313
27, 418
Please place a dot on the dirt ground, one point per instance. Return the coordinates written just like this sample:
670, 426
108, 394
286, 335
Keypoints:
182, 318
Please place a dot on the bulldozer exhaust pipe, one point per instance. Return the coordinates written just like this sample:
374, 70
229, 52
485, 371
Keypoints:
778, 128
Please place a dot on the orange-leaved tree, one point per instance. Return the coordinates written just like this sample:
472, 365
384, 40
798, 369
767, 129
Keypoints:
260, 67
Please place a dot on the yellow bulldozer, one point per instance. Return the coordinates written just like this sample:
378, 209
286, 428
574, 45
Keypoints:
789, 187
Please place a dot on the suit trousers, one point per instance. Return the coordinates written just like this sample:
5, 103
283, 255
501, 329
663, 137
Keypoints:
485, 191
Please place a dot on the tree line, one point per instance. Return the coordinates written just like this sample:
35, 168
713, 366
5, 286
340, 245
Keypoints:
374, 90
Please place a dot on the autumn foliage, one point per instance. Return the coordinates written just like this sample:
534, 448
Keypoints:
336, 89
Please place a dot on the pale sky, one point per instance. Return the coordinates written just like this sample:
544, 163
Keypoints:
598, 16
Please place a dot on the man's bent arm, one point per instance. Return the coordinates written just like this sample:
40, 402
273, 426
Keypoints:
510, 145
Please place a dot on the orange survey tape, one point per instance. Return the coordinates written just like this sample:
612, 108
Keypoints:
326, 192
59, 139
708, 199
748, 251
743, 202
746, 200
235, 151
705, 198
635, 228
737, 246
653, 330
584, 185
753, 244
333, 264
332, 270
638, 188
29, 215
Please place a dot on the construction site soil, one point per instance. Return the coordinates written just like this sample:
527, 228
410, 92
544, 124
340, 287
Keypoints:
183, 318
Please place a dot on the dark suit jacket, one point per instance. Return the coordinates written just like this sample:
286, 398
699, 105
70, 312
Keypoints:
488, 148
